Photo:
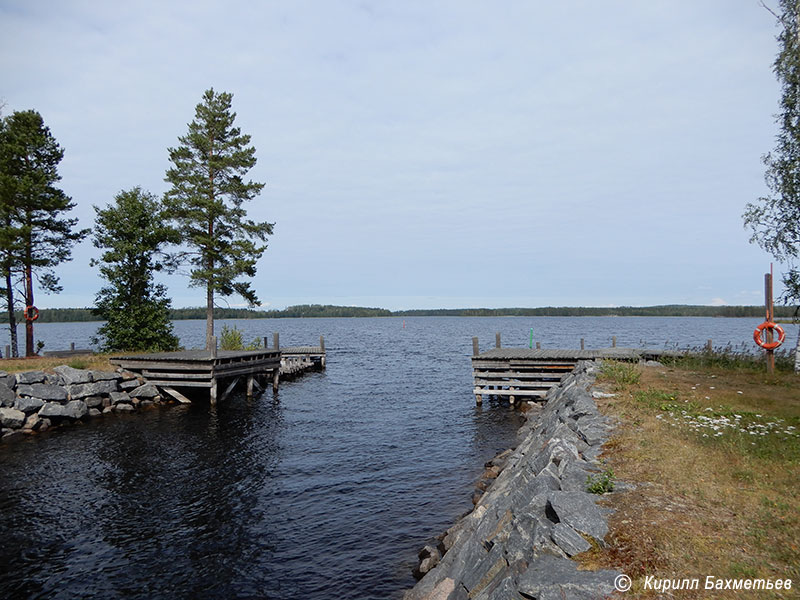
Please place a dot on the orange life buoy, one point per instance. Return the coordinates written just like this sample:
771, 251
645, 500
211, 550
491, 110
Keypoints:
771, 326
31, 313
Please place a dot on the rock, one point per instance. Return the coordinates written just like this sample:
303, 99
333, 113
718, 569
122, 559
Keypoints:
551, 578
72, 376
76, 409
12, 418
98, 388
127, 375
31, 377
28, 405
94, 412
45, 424
119, 397
45, 391
598, 394
122, 407
107, 409
54, 379
94, 401
129, 384
52, 410
105, 376
7, 396
429, 558
569, 540
33, 423
578, 510
8, 380
148, 390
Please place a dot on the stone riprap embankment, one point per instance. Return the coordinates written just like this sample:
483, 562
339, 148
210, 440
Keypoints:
518, 540
36, 401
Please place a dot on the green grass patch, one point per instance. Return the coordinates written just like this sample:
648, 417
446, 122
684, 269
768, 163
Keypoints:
621, 374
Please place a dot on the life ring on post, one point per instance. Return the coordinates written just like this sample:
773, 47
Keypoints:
771, 326
31, 313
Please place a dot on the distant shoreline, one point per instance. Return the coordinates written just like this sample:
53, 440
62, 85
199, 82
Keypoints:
77, 315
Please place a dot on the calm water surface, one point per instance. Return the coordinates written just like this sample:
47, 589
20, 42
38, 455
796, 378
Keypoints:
326, 490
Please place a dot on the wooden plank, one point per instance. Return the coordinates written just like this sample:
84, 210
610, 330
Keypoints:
229, 389
510, 383
245, 371
172, 375
174, 383
488, 392
520, 374
140, 365
176, 394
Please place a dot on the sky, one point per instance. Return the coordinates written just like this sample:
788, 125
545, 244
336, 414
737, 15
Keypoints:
430, 154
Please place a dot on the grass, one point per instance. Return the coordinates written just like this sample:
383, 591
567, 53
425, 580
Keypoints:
712, 448
96, 362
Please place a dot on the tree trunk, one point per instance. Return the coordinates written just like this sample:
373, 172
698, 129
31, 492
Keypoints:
12, 318
209, 315
797, 356
29, 351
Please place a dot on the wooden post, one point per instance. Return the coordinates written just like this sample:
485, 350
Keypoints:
213, 347
266, 343
770, 310
583, 344
249, 386
72, 346
709, 346
276, 341
322, 343
497, 340
538, 345
8, 351
475, 350
276, 377
613, 341
213, 392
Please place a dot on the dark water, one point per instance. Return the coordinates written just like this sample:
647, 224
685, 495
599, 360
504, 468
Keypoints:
325, 491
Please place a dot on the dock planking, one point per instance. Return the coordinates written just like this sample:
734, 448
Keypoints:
220, 371
515, 373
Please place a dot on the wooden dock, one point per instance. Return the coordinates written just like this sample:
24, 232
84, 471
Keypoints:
520, 373
220, 371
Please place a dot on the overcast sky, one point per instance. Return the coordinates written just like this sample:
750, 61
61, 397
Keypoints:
430, 154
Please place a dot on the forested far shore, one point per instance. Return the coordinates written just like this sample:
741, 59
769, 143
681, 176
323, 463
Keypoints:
74, 315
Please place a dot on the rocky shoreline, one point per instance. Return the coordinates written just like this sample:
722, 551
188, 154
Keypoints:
35, 401
534, 514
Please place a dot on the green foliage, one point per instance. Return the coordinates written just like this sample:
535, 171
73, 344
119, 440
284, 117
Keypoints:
206, 202
136, 310
35, 234
231, 338
600, 483
731, 359
621, 374
775, 219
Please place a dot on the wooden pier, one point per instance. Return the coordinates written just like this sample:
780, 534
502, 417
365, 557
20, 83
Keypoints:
220, 371
522, 373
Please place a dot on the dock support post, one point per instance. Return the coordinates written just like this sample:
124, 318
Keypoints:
276, 377
497, 340
709, 346
8, 351
538, 345
582, 344
613, 341
276, 340
249, 387
72, 346
475, 351
266, 342
322, 347
213, 392
213, 347
478, 399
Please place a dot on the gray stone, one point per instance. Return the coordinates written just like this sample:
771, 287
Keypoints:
76, 409
105, 376
107, 409
121, 407
7, 396
12, 418
94, 401
33, 422
578, 510
54, 379
119, 397
504, 589
98, 388
569, 540
94, 412
31, 377
488, 568
129, 384
148, 390
45, 391
72, 376
45, 424
573, 475
28, 405
529, 535
52, 410
8, 380
552, 577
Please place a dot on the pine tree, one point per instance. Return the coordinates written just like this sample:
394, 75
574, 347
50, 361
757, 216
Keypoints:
132, 232
206, 202
34, 207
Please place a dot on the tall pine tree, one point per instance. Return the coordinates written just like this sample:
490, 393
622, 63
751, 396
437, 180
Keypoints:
206, 202
133, 233
34, 207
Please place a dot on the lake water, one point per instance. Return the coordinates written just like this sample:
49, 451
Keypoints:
326, 490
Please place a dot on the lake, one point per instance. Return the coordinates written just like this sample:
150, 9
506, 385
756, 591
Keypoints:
326, 490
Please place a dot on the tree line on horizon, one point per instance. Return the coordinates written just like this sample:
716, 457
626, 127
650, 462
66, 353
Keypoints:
73, 315
200, 222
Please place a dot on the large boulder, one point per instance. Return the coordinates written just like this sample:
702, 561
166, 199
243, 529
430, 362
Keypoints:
551, 578
12, 418
45, 391
31, 377
148, 390
97, 388
52, 410
72, 376
76, 409
119, 397
578, 510
105, 376
7, 396
8, 380
28, 405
